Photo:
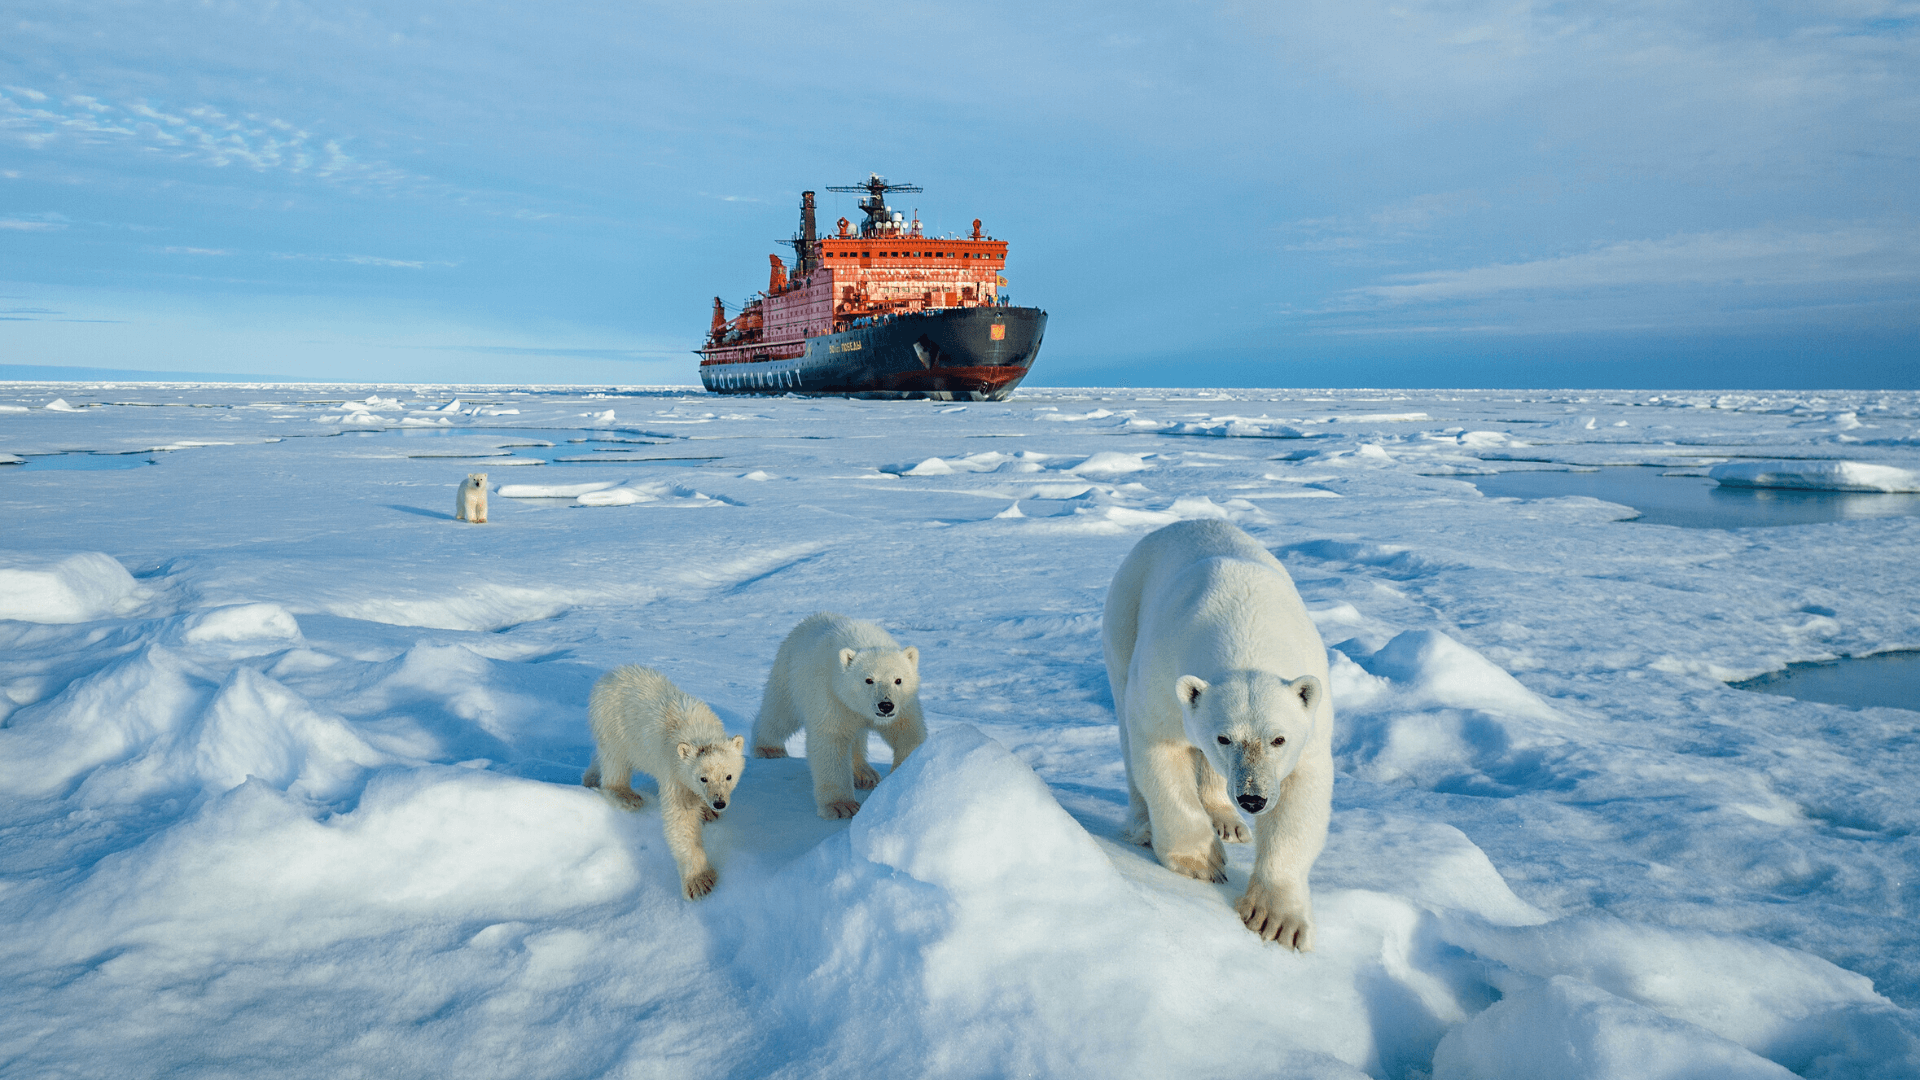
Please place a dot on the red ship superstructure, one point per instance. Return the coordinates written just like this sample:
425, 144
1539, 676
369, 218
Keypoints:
882, 311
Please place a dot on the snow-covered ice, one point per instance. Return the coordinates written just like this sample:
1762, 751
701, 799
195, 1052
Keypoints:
289, 759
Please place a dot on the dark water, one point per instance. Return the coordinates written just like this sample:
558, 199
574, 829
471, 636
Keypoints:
1889, 679
1695, 502
37, 462
554, 446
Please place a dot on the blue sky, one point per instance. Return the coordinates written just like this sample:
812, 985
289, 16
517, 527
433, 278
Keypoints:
1310, 193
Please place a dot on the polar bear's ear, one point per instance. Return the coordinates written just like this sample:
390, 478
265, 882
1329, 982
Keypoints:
739, 742
912, 653
846, 658
1309, 690
1189, 688
686, 750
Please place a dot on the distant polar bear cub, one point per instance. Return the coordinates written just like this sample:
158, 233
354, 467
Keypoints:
470, 503
643, 723
1219, 685
840, 678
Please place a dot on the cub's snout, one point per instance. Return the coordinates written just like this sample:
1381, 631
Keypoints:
885, 707
721, 804
1252, 804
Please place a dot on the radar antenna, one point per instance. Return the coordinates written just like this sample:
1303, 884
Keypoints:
879, 214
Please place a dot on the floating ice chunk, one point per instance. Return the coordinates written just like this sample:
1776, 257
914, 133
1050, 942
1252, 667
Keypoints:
605, 417
1111, 463
1570, 1030
59, 405
1815, 476
494, 410
758, 474
1009, 513
14, 408
73, 589
421, 421
552, 491
1481, 439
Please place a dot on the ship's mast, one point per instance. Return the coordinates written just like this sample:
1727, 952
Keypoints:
880, 217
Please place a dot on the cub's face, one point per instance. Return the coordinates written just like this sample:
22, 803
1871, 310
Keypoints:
877, 683
477, 480
1252, 727
711, 770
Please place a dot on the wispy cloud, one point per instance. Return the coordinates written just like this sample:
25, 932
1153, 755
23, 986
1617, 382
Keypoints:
34, 223
366, 260
1769, 257
200, 134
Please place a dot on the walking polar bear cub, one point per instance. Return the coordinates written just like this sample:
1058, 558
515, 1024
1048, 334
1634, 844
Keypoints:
840, 678
643, 723
1220, 688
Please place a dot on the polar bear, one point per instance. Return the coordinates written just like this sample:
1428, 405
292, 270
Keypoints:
641, 722
470, 503
1220, 688
840, 678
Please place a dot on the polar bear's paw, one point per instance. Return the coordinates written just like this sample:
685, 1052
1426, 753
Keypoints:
1277, 914
1138, 831
698, 885
1211, 867
864, 777
625, 797
839, 808
1228, 827
769, 751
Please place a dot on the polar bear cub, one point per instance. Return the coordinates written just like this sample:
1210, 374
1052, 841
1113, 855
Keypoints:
643, 723
840, 678
1219, 684
470, 503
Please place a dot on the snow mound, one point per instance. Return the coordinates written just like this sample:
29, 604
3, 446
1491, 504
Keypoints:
658, 493
73, 589
59, 405
1815, 476
1428, 711
1570, 1030
1111, 463
552, 491
483, 606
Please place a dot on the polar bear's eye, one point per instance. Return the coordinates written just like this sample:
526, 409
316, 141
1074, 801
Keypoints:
1222, 740
729, 776
896, 682
1280, 740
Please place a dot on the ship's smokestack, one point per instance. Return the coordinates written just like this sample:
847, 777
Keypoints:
809, 240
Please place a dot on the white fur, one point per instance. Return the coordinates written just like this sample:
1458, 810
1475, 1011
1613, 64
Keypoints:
470, 504
643, 723
1205, 638
835, 677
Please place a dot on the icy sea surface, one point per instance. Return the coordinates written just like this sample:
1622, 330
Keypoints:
289, 759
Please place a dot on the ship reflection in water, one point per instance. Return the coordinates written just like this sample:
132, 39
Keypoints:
884, 312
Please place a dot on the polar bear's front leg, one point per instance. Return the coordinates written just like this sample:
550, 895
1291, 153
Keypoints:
1213, 795
830, 757
1183, 834
1287, 839
864, 776
680, 820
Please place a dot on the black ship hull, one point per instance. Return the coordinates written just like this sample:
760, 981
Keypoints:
954, 354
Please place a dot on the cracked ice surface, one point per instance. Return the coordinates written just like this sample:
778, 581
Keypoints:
289, 759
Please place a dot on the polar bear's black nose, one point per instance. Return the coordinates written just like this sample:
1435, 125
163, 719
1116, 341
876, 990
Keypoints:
1252, 804
719, 804
885, 707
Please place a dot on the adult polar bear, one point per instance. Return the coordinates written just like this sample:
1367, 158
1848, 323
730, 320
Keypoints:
1219, 685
